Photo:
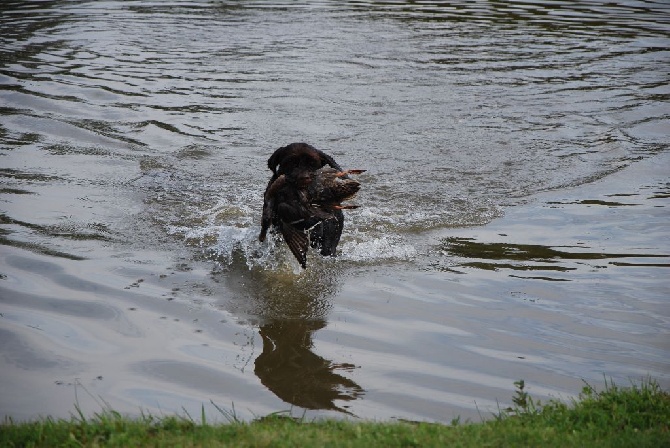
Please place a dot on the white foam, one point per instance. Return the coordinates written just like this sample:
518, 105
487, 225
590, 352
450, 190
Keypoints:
244, 240
382, 248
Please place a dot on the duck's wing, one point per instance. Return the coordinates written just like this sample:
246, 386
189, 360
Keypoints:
331, 187
275, 184
269, 203
345, 189
296, 240
335, 191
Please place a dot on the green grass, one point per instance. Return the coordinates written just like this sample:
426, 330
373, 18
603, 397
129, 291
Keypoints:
637, 416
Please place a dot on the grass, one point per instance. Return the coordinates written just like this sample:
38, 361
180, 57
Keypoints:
637, 416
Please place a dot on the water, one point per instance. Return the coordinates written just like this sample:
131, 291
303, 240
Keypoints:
513, 218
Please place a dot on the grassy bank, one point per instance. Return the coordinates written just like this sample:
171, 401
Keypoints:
636, 416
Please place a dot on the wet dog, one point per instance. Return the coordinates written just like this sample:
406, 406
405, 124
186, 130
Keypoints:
303, 199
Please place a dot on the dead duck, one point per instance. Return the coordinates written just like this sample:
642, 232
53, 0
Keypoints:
307, 209
303, 200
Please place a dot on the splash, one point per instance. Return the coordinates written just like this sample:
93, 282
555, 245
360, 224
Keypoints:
235, 243
229, 245
378, 249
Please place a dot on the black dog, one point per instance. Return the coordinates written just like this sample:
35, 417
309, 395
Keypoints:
303, 196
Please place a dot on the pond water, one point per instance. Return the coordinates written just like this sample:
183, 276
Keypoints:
513, 218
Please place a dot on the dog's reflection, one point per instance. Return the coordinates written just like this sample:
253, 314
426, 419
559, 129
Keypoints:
295, 374
290, 308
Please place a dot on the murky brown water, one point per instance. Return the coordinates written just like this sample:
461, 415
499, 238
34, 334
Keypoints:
513, 220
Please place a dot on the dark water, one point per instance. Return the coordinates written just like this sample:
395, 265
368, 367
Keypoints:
513, 220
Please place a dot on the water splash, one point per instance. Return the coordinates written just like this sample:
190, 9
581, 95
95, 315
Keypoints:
228, 245
387, 248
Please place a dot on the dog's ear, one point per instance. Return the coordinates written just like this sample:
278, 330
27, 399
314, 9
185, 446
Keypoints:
273, 161
328, 160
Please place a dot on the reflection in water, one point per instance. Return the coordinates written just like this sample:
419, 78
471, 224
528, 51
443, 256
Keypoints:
291, 307
529, 257
295, 374
273, 287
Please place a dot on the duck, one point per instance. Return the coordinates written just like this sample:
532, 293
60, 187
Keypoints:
304, 199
